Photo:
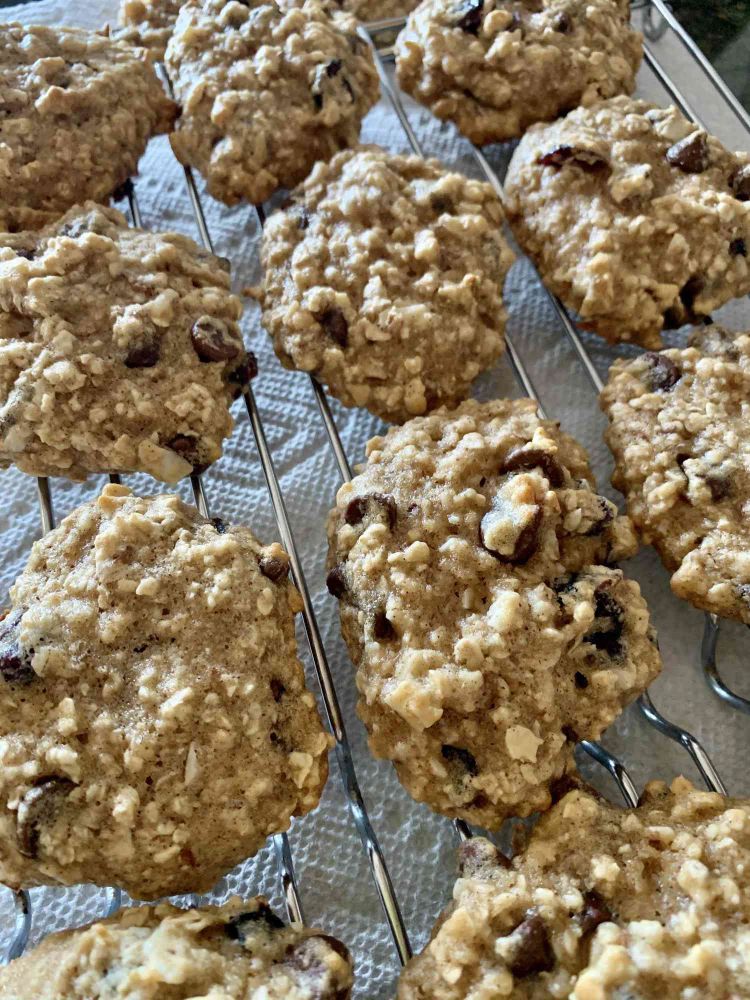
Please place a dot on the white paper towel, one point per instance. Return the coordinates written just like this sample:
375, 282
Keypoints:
333, 873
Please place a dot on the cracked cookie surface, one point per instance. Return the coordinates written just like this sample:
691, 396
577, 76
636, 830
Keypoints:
266, 90
651, 903
488, 635
148, 23
678, 431
636, 218
238, 951
384, 278
121, 350
154, 721
495, 68
78, 110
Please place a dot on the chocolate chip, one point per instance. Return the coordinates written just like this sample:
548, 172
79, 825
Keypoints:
187, 448
534, 458
220, 525
213, 340
277, 689
532, 950
333, 67
581, 681
469, 16
739, 182
562, 22
479, 856
691, 154
334, 323
144, 354
608, 625
526, 541
383, 630
457, 755
38, 807
738, 248
586, 159
274, 567
336, 582
357, 508
237, 928
595, 911
15, 662
663, 373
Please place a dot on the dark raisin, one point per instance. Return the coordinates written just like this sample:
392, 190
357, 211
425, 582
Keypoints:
526, 542
478, 855
469, 16
663, 373
608, 625
738, 248
457, 755
561, 22
564, 584
145, 354
562, 785
37, 807
25, 253
570, 734
333, 67
607, 511
277, 689
532, 950
595, 911
318, 101
238, 926
534, 458
334, 323
739, 182
274, 567
357, 508
581, 681
187, 448
336, 582
213, 340
441, 204
383, 630
221, 526
15, 662
586, 159
244, 372
720, 485
691, 154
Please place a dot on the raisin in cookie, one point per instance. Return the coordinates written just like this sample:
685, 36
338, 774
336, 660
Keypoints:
78, 110
495, 67
155, 726
384, 278
239, 951
148, 23
650, 903
678, 431
121, 350
635, 217
471, 558
266, 90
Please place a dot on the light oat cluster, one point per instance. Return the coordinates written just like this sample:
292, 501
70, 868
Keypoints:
471, 558
266, 89
239, 951
495, 67
77, 111
634, 216
148, 23
603, 903
678, 431
121, 350
384, 278
155, 726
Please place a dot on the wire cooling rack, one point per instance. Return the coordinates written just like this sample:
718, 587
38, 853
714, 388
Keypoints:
664, 33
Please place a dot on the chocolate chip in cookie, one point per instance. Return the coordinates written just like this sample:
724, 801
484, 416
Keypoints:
37, 808
691, 154
662, 373
532, 949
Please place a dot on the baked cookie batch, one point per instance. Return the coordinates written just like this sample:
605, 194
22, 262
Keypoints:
155, 723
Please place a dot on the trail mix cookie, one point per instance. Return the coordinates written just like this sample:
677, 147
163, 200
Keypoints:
239, 951
652, 903
495, 67
384, 277
121, 350
635, 217
472, 561
266, 90
148, 23
78, 110
678, 431
155, 726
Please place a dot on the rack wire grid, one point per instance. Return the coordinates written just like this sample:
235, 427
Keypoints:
668, 49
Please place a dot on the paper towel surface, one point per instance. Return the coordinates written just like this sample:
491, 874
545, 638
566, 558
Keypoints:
335, 883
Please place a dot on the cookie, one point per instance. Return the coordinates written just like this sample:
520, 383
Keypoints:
266, 90
472, 561
78, 110
148, 23
377, 10
678, 432
239, 951
495, 67
121, 350
635, 217
652, 903
384, 278
155, 726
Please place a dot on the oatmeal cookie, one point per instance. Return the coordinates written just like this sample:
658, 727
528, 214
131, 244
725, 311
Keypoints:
266, 90
377, 10
472, 561
121, 350
155, 726
78, 110
678, 432
650, 903
495, 67
384, 278
148, 23
239, 951
635, 217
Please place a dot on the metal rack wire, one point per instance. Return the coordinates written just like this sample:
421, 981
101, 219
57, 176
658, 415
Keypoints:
343, 753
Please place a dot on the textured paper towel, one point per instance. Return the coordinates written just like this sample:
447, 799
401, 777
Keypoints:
333, 873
